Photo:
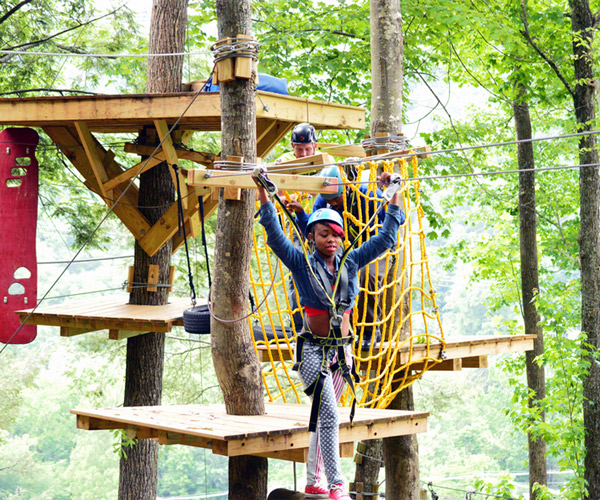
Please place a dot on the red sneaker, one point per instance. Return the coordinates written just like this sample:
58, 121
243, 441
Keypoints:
316, 491
338, 492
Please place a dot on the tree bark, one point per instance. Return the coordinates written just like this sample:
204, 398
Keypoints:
582, 22
400, 454
536, 380
236, 363
387, 66
145, 353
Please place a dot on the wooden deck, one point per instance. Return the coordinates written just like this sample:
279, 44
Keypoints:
130, 112
73, 122
114, 314
281, 433
458, 352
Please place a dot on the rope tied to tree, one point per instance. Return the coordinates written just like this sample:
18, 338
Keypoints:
235, 47
391, 142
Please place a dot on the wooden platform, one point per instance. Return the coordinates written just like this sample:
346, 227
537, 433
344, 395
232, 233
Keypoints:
282, 433
458, 352
114, 314
72, 123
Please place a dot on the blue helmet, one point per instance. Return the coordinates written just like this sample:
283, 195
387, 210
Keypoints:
333, 171
324, 215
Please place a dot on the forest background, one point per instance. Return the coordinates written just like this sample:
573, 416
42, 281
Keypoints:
462, 62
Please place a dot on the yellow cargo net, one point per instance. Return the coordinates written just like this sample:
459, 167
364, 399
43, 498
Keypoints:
395, 320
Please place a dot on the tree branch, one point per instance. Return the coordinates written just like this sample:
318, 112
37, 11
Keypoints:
50, 37
551, 63
14, 9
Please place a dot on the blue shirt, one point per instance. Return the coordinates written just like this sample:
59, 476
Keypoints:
356, 205
295, 261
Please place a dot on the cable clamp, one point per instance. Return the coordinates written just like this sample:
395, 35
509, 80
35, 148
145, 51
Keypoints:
394, 187
443, 354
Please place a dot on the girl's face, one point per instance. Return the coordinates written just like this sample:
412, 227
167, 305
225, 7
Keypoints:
326, 240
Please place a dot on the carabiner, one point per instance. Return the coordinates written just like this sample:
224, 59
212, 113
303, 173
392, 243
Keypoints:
261, 174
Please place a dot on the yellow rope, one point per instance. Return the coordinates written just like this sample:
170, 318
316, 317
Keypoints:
409, 324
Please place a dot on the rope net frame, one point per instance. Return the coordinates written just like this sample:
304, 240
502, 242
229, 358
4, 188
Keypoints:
400, 292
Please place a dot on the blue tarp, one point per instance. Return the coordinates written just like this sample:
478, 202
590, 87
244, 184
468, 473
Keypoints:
266, 82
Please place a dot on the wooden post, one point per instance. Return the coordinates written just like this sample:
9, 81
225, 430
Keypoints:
236, 362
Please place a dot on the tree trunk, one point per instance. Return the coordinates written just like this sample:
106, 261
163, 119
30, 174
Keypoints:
536, 381
582, 21
387, 66
145, 353
236, 363
400, 454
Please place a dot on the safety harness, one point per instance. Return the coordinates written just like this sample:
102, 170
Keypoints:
338, 299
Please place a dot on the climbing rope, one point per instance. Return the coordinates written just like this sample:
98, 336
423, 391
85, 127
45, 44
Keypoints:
407, 317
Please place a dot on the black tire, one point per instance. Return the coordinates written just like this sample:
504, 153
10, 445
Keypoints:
197, 320
259, 334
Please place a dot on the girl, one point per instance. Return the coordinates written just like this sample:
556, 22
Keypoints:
325, 343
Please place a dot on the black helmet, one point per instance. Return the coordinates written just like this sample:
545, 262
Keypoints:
304, 133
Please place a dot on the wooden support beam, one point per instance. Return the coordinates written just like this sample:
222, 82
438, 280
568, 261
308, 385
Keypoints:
269, 133
96, 164
152, 277
132, 172
447, 365
306, 164
167, 226
343, 150
233, 193
475, 362
243, 65
183, 154
286, 182
69, 143
171, 155
66, 331
114, 334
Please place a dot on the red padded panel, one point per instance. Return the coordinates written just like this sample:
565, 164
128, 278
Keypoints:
18, 220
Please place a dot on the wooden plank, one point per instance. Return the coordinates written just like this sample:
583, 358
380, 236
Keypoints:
313, 184
168, 225
132, 172
171, 155
343, 150
201, 157
130, 276
152, 277
269, 134
232, 193
448, 365
114, 334
71, 332
316, 160
110, 314
70, 145
475, 362
471, 350
91, 424
117, 113
243, 65
94, 158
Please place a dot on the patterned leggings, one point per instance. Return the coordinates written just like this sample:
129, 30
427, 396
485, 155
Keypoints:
324, 448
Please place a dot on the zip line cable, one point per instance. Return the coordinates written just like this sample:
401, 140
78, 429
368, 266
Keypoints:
108, 56
108, 212
91, 259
